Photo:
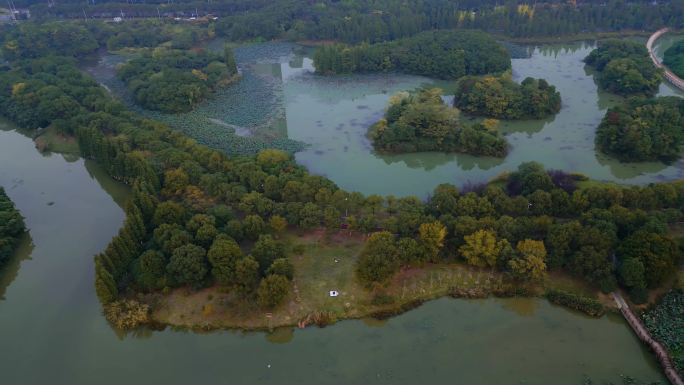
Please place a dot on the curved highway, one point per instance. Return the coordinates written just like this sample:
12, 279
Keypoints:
669, 75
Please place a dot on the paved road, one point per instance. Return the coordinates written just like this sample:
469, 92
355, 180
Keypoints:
669, 75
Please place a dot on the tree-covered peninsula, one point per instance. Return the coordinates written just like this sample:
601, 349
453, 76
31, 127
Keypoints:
643, 130
421, 121
11, 226
172, 80
624, 68
205, 221
502, 98
438, 54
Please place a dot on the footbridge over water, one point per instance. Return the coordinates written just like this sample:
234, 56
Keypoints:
643, 334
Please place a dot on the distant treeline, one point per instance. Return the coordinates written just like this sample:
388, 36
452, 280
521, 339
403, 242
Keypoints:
356, 21
11, 226
439, 54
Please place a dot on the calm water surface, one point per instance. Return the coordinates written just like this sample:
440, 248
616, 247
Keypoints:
52, 331
333, 115
280, 97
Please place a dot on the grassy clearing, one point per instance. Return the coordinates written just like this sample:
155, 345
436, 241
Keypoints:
327, 263
49, 140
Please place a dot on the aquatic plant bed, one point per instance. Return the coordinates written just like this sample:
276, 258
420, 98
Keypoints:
665, 322
237, 119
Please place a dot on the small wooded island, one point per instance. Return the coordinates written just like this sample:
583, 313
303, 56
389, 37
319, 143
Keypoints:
502, 98
440, 54
11, 227
421, 121
173, 80
643, 130
624, 68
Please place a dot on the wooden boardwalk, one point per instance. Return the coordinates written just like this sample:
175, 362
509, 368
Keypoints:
669, 75
644, 335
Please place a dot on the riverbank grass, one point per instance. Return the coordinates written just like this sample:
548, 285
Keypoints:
325, 262
50, 140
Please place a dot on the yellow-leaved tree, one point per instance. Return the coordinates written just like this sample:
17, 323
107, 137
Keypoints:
531, 261
482, 248
432, 236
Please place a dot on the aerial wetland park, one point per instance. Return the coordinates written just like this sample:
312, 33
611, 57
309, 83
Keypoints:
342, 192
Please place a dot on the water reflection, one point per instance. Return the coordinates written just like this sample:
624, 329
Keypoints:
280, 335
11, 266
630, 170
431, 160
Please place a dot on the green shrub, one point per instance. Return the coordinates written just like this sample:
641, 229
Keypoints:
586, 305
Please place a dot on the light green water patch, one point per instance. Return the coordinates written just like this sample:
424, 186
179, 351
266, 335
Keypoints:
332, 114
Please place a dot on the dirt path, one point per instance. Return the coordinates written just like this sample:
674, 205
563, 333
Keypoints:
644, 335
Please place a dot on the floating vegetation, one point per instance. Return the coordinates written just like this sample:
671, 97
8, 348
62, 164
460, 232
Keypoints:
665, 322
239, 119
517, 51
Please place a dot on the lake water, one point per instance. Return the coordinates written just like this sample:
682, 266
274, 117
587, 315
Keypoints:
52, 331
280, 99
333, 114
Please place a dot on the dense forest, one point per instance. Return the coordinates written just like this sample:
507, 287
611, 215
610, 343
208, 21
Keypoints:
423, 122
502, 98
438, 54
643, 129
674, 58
200, 217
355, 21
151, 33
624, 67
11, 226
171, 80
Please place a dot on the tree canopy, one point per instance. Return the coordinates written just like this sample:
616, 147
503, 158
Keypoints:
624, 67
643, 129
421, 121
439, 54
11, 226
173, 80
502, 98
